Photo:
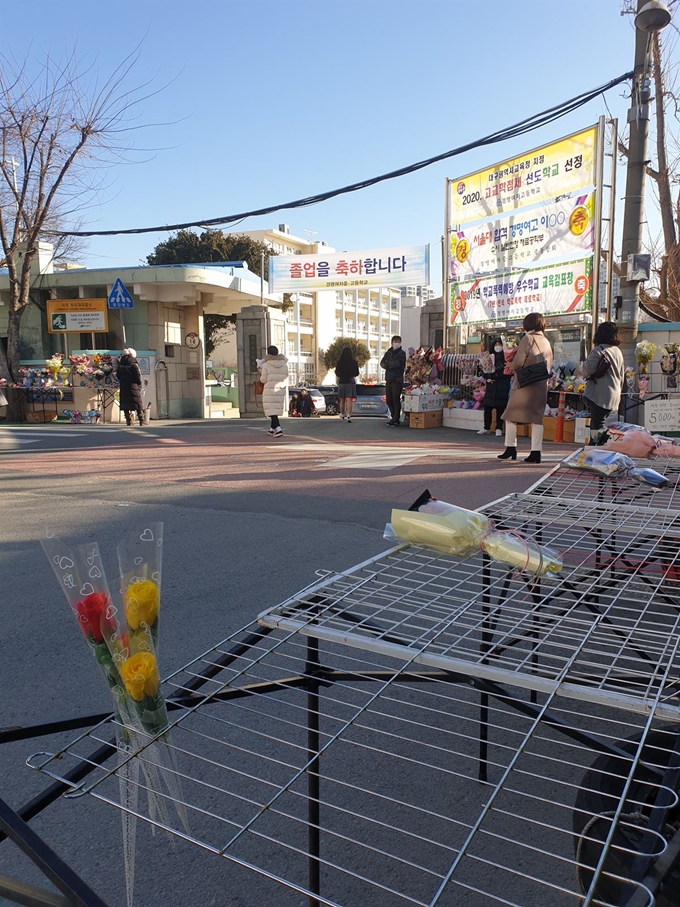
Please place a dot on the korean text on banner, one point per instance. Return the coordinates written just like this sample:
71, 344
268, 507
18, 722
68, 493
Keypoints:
376, 268
561, 168
556, 290
77, 316
557, 230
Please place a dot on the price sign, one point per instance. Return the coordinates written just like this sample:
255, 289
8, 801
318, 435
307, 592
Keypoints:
662, 416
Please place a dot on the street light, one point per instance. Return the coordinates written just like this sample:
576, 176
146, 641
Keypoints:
652, 15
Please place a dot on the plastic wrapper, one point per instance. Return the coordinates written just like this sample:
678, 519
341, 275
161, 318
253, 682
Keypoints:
140, 559
127, 658
613, 465
454, 530
122, 632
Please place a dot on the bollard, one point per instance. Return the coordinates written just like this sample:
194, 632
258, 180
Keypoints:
559, 428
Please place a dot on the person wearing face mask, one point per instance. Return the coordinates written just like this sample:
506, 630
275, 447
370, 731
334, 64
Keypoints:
497, 391
394, 363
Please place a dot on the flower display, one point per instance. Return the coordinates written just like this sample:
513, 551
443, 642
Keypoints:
424, 365
644, 353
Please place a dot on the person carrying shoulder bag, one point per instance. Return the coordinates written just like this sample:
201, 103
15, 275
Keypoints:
604, 371
531, 366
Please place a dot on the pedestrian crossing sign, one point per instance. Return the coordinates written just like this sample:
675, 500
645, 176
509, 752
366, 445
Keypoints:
119, 297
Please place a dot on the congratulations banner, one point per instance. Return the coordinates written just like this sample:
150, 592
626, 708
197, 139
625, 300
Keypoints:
382, 268
556, 231
561, 168
557, 290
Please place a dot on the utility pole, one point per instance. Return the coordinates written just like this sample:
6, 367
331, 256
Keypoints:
651, 16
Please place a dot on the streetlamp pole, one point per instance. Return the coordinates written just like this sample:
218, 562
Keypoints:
651, 16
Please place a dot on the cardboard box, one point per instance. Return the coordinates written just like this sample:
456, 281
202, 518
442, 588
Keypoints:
523, 431
425, 420
568, 431
421, 403
549, 428
40, 416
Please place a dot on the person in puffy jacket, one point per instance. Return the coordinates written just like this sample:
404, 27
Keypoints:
394, 363
274, 376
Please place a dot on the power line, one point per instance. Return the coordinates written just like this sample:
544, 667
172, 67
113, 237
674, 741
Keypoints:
521, 128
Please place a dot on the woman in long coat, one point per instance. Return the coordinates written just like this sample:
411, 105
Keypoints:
527, 404
130, 380
274, 376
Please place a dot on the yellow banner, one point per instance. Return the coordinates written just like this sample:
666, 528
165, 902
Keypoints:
77, 316
562, 167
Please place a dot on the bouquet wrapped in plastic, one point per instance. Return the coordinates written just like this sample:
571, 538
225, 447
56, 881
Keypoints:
454, 530
613, 465
637, 442
644, 353
123, 636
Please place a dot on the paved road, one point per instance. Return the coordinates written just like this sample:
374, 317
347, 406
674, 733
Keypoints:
248, 521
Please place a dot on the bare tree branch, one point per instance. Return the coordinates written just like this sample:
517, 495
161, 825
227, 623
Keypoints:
64, 130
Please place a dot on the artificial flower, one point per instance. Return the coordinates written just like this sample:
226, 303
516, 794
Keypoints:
141, 603
644, 353
140, 675
92, 615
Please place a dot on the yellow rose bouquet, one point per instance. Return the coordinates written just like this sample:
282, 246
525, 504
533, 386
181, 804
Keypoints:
454, 530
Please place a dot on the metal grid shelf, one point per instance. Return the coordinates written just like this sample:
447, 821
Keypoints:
606, 631
372, 766
424, 730
579, 484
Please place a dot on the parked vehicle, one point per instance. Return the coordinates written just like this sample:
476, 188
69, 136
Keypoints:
318, 398
371, 400
330, 395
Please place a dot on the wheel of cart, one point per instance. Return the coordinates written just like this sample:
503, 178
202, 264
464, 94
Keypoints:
598, 799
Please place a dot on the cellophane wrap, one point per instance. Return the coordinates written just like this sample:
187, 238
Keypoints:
454, 530
613, 465
126, 652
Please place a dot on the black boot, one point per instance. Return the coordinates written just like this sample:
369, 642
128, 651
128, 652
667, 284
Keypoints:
534, 457
510, 453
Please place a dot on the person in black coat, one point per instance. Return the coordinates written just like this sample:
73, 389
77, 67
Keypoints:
394, 363
305, 404
497, 390
130, 380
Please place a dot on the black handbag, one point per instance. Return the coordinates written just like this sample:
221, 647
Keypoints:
532, 374
603, 367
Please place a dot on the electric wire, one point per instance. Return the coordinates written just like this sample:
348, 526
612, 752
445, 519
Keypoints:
521, 128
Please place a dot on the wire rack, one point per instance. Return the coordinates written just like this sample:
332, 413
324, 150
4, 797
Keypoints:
425, 730
577, 484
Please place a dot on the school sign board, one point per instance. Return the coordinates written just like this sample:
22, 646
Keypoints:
396, 267
77, 316
522, 234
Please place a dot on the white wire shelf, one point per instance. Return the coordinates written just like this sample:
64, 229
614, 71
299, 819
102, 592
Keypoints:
425, 730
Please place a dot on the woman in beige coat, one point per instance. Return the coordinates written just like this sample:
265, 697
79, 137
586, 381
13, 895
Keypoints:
527, 404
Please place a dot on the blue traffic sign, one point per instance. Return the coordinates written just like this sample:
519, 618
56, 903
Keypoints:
119, 297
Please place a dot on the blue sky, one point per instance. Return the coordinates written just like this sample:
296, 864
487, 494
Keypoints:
271, 101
